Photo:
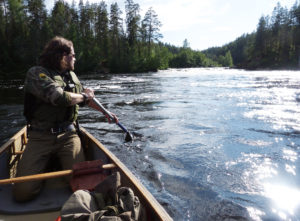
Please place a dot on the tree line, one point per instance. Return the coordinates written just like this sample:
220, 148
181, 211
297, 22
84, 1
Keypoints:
275, 43
103, 41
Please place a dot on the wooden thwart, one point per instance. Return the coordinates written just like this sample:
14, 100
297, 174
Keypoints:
43, 176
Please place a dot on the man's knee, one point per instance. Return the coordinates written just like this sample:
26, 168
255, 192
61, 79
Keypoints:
23, 192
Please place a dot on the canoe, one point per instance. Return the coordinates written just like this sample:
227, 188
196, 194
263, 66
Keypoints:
54, 194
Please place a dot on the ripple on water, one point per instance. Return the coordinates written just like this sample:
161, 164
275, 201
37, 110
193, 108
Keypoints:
216, 144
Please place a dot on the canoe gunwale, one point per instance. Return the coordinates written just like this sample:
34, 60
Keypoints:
11, 141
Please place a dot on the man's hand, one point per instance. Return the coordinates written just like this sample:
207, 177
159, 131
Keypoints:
89, 94
111, 119
114, 120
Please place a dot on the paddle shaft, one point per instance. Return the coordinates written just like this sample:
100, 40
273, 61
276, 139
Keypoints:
43, 176
109, 114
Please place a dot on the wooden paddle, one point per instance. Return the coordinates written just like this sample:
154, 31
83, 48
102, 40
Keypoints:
98, 106
43, 176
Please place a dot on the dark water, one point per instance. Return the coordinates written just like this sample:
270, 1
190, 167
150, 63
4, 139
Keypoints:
212, 144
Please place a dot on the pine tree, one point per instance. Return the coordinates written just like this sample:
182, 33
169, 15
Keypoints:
3, 23
116, 34
86, 20
228, 59
132, 21
101, 30
37, 16
60, 18
186, 44
73, 32
261, 37
87, 48
151, 26
16, 33
295, 16
133, 25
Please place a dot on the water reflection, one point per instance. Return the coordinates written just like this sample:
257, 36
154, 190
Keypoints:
290, 169
285, 199
290, 154
255, 213
260, 168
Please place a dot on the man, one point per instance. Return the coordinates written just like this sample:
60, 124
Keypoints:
52, 96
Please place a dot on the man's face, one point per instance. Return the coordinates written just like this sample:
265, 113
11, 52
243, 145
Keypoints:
68, 61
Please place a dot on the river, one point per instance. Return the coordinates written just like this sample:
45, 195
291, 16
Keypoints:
211, 144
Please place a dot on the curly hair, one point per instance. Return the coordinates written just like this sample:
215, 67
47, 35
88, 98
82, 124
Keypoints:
54, 51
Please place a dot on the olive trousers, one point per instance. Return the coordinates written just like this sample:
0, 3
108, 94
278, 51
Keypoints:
39, 150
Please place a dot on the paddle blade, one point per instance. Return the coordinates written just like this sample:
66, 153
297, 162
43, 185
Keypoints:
128, 137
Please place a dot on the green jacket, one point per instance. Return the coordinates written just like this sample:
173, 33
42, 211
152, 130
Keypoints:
47, 99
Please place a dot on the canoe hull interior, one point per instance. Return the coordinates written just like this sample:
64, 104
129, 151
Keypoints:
56, 191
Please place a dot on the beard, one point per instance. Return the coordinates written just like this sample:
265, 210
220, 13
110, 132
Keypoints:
67, 65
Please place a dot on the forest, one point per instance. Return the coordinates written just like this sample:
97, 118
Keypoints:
103, 41
274, 45
106, 41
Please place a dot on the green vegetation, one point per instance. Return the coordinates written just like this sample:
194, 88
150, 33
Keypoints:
103, 42
274, 45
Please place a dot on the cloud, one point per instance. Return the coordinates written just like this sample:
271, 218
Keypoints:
179, 14
182, 14
222, 29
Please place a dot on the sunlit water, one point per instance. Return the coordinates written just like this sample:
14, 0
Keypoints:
211, 144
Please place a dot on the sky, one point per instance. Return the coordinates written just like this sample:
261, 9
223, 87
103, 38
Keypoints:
204, 23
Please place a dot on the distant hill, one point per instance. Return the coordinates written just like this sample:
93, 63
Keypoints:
274, 45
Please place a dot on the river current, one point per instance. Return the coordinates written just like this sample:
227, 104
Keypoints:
210, 144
